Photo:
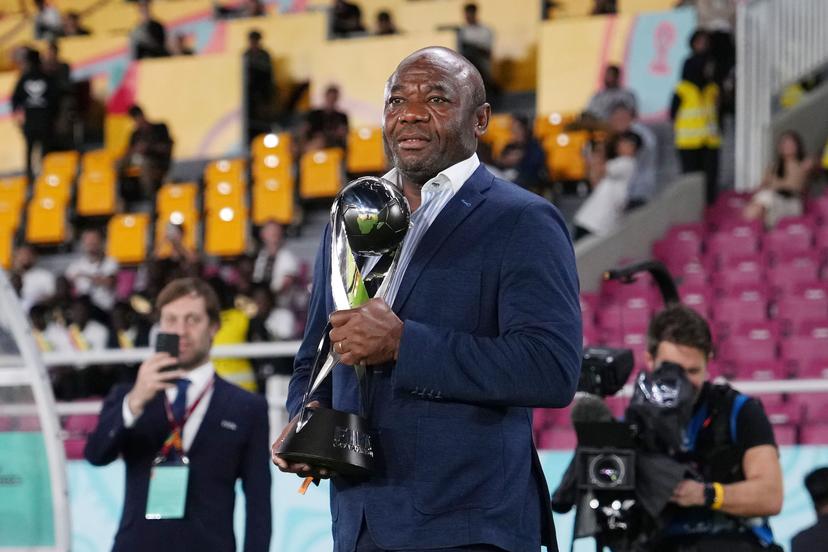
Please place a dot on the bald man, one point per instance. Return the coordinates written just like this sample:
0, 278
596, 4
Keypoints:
480, 324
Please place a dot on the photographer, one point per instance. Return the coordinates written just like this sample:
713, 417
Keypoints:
729, 442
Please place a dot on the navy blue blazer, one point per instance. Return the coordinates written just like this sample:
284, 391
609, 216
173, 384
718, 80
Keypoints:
231, 444
492, 328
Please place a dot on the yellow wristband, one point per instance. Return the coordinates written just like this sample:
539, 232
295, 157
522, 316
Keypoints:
718, 501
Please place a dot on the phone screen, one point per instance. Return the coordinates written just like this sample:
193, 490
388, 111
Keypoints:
167, 343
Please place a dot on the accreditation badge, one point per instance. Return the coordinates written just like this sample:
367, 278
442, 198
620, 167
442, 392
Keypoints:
167, 495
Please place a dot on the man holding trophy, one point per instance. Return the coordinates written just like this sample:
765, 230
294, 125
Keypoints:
437, 348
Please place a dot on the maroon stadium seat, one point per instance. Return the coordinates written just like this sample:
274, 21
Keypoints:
785, 435
814, 434
558, 438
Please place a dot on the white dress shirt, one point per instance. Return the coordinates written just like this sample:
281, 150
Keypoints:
199, 378
434, 196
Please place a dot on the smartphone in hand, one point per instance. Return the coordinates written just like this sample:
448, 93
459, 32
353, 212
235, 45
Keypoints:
167, 343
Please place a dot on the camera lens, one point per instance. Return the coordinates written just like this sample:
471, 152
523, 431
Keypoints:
606, 471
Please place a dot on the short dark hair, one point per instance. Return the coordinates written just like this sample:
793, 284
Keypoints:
614, 68
135, 111
681, 325
471, 7
254, 35
630, 136
817, 484
181, 287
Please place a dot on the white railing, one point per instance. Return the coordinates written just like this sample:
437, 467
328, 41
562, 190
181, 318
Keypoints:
777, 43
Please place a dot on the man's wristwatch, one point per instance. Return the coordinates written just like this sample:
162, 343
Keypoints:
709, 495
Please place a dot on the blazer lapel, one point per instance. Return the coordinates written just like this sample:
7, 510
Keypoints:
455, 212
215, 410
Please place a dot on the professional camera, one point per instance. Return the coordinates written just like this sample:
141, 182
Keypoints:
621, 476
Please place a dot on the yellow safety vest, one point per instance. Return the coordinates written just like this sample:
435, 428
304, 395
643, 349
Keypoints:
697, 122
233, 331
825, 156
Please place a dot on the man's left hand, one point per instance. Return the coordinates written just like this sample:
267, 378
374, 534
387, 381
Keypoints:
688, 493
369, 334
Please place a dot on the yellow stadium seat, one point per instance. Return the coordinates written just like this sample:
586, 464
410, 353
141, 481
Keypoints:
117, 132
176, 197
499, 129
46, 221
565, 155
55, 185
6, 237
225, 169
127, 238
273, 200
225, 232
10, 215
320, 173
62, 162
273, 164
265, 144
224, 193
97, 191
365, 150
13, 190
97, 160
188, 220
552, 124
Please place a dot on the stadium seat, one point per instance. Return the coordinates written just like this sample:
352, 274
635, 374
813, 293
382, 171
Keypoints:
320, 173
808, 302
45, 222
225, 232
697, 297
187, 220
802, 351
97, 191
266, 144
760, 370
551, 124
813, 369
620, 318
97, 160
224, 193
74, 448
10, 215
231, 170
127, 238
816, 434
176, 197
787, 275
6, 243
682, 243
565, 155
750, 305
80, 424
562, 438
785, 435
366, 153
641, 287
637, 342
499, 129
737, 272
758, 346
273, 164
61, 162
53, 185
691, 273
13, 190
790, 235
273, 199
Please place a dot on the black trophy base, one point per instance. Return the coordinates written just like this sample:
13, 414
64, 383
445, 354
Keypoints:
337, 441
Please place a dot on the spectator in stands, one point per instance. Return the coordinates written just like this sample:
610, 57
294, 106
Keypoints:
35, 105
82, 332
72, 25
523, 161
327, 126
603, 210
260, 85
385, 25
476, 42
228, 426
181, 45
36, 284
128, 330
232, 331
147, 159
643, 184
40, 315
269, 324
47, 21
61, 74
815, 536
695, 114
613, 94
346, 19
733, 450
247, 8
93, 273
604, 7
148, 39
785, 183
699, 43
276, 265
182, 262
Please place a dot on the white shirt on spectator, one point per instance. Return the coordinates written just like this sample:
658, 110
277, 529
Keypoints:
479, 36
285, 266
94, 333
602, 211
81, 273
38, 284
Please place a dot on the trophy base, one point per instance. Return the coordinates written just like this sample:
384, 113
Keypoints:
334, 440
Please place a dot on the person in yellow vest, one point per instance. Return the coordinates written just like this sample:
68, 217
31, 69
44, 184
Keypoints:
233, 331
825, 156
694, 111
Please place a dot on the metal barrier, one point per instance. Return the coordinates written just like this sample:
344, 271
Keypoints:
777, 43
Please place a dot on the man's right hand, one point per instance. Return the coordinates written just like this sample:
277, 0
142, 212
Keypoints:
299, 469
151, 380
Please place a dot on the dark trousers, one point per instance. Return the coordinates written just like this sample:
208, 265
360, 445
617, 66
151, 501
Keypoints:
703, 160
41, 141
366, 544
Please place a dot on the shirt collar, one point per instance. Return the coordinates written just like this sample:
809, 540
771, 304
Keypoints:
455, 175
200, 377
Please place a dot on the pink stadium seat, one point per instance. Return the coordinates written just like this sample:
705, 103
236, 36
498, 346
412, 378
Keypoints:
637, 342
821, 236
633, 314
816, 328
808, 302
736, 241
750, 349
549, 417
772, 400
813, 369
80, 424
691, 273
589, 302
617, 405
814, 434
642, 287
748, 328
810, 403
746, 306
74, 448
125, 283
818, 208
728, 207
592, 336
803, 350
785, 435
558, 438
740, 271
760, 370
793, 234
786, 275
682, 243
697, 297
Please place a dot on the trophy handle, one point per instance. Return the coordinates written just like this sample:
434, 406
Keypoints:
319, 360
